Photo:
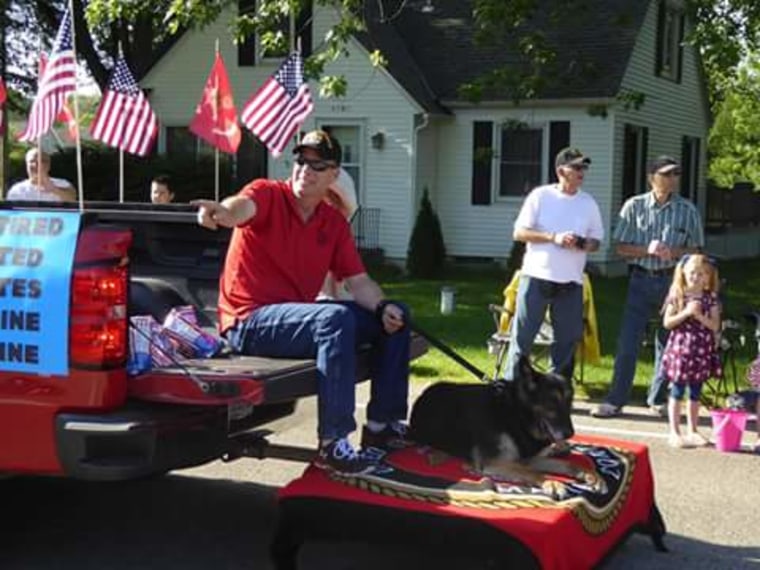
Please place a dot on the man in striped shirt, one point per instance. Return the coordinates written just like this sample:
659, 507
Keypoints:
654, 230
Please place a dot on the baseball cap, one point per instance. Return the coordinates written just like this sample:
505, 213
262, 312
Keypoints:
327, 147
570, 155
662, 163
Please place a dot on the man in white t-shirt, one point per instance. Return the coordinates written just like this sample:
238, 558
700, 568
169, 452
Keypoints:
560, 224
40, 186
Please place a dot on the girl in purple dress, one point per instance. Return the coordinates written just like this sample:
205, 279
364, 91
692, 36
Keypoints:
692, 315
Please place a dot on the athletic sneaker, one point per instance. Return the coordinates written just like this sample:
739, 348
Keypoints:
606, 410
340, 456
697, 439
392, 436
659, 410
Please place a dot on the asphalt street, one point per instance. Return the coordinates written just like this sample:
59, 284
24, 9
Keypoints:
221, 516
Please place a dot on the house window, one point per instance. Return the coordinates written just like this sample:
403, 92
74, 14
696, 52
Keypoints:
252, 50
634, 160
520, 160
690, 168
349, 137
670, 30
180, 142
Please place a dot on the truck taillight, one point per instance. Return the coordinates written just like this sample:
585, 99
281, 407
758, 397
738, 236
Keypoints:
98, 326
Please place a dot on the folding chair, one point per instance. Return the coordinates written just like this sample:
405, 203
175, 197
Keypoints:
498, 343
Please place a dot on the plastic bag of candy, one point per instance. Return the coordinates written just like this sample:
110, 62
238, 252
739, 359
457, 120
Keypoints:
181, 324
149, 345
140, 331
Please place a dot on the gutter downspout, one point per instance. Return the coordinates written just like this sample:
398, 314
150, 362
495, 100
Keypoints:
422, 120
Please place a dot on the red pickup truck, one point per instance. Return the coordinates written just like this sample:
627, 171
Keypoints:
95, 421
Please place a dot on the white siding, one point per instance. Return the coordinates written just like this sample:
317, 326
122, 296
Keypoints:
670, 111
374, 102
487, 230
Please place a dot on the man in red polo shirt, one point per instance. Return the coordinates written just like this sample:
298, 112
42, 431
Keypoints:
285, 239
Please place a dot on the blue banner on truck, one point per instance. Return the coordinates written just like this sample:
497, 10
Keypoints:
36, 258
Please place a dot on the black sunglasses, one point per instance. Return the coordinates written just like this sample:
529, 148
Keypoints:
578, 167
316, 165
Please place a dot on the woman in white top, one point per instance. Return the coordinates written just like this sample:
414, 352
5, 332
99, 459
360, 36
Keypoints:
40, 186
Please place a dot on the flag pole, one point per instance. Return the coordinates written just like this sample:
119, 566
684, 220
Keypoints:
121, 176
121, 156
80, 180
39, 137
216, 148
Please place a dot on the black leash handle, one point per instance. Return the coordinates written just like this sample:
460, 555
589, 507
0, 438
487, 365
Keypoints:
448, 351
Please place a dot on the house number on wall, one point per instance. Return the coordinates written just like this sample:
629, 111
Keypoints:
340, 108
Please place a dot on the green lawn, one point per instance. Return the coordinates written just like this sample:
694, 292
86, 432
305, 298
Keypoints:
467, 329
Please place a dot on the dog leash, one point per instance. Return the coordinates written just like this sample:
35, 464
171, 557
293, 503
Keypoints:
448, 351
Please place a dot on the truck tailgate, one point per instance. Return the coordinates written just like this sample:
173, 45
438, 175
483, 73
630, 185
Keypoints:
236, 378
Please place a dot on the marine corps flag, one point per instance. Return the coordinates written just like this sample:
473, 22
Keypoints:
215, 118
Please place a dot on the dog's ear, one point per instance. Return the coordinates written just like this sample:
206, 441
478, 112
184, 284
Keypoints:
527, 375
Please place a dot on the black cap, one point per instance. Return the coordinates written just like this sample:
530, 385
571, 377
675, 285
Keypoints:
327, 147
569, 155
657, 164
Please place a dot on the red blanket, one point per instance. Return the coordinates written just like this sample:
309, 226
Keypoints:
575, 532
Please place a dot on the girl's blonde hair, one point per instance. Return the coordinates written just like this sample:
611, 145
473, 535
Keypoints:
678, 286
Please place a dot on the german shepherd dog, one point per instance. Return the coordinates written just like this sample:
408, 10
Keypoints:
506, 430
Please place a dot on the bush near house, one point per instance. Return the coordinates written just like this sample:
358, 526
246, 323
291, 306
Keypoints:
427, 253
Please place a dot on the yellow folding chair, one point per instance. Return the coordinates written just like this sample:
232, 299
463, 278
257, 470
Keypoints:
498, 343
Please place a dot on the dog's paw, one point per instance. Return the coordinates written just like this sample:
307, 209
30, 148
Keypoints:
560, 448
557, 490
593, 481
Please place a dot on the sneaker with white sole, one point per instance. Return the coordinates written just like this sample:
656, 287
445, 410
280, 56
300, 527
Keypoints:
392, 436
340, 456
659, 410
606, 410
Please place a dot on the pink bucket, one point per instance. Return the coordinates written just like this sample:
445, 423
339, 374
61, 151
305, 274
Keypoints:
728, 427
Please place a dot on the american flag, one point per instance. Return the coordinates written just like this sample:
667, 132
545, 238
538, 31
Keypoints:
55, 84
124, 118
277, 110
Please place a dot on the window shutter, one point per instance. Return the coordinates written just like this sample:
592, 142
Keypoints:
247, 48
644, 159
681, 21
482, 160
660, 32
685, 167
303, 29
559, 138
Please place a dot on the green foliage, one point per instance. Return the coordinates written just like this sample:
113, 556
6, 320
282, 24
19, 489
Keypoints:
735, 135
100, 165
427, 252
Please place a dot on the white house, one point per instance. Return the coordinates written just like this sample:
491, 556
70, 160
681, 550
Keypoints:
405, 128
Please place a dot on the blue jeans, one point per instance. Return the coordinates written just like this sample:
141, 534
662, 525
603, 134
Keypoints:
565, 303
646, 295
331, 332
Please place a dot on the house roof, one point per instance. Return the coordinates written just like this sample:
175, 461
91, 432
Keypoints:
431, 54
